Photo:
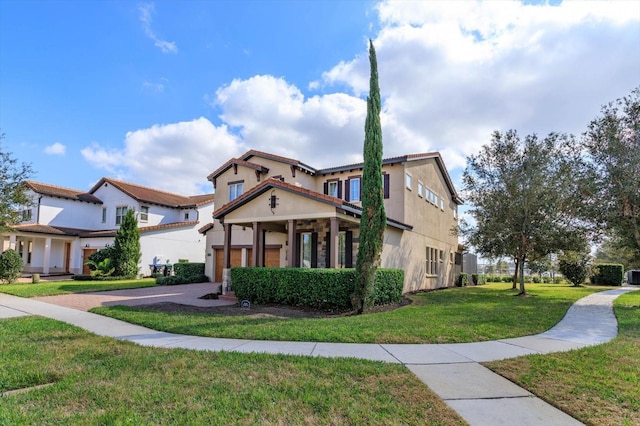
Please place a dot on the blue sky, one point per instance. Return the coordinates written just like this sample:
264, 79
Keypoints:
162, 93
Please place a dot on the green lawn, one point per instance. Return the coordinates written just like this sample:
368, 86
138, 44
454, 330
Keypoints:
53, 288
466, 314
599, 385
97, 380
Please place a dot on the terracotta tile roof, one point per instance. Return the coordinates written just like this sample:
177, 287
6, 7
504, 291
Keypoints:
59, 191
48, 229
150, 195
277, 183
238, 162
291, 161
206, 228
199, 200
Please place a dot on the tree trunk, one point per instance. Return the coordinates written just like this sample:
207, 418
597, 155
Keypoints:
521, 267
515, 275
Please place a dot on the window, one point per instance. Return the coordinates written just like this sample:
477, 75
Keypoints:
26, 215
186, 216
305, 250
354, 189
441, 204
408, 181
120, 212
144, 214
332, 188
235, 190
420, 189
104, 215
432, 261
455, 212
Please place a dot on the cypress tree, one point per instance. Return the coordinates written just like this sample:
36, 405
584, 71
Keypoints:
373, 219
127, 246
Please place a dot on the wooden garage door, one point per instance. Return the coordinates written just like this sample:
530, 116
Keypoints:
236, 260
272, 258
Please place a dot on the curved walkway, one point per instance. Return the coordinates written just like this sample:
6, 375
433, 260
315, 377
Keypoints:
452, 371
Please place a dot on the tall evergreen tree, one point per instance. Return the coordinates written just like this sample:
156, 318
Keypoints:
373, 219
127, 246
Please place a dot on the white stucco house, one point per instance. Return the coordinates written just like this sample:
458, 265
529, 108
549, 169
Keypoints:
63, 227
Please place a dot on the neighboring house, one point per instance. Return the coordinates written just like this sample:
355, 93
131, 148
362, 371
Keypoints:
63, 226
277, 211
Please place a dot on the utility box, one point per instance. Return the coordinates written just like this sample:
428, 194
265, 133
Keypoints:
633, 277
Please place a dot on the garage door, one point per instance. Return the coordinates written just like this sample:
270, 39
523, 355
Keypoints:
236, 260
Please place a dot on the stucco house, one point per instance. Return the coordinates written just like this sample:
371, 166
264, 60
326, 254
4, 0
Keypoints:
279, 212
62, 227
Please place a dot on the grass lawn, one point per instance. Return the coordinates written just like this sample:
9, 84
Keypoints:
466, 314
53, 288
599, 385
97, 380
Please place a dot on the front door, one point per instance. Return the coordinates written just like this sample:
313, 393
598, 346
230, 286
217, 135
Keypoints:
67, 257
85, 256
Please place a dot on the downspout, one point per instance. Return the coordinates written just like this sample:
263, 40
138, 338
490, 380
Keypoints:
38, 210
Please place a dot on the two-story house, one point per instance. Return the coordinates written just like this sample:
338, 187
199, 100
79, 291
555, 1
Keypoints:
277, 211
63, 227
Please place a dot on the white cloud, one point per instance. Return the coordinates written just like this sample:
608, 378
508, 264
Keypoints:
55, 149
449, 77
175, 157
146, 11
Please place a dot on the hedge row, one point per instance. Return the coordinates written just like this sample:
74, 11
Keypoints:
326, 289
188, 269
181, 279
608, 274
102, 277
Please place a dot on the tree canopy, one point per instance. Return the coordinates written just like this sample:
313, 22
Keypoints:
522, 196
13, 175
373, 219
613, 144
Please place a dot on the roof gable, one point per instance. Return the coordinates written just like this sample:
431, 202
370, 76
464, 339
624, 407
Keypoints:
62, 192
145, 194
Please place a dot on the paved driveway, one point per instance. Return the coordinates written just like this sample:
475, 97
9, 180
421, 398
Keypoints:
186, 294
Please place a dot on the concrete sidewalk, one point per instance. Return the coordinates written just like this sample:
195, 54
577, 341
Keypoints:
453, 371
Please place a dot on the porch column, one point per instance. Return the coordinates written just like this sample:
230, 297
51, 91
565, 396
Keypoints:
25, 251
333, 245
291, 248
258, 245
12, 242
76, 257
47, 255
243, 257
226, 261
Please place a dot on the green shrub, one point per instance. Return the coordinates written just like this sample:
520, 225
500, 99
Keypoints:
478, 279
558, 280
463, 279
608, 274
10, 266
100, 256
102, 278
547, 280
326, 289
507, 279
185, 269
181, 279
537, 280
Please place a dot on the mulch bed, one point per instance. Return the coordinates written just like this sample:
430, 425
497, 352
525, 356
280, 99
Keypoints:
266, 311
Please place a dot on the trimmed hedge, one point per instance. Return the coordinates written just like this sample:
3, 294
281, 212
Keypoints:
463, 279
326, 289
101, 278
478, 279
608, 274
181, 279
188, 269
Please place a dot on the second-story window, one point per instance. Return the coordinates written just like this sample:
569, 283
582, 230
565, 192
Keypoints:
26, 215
186, 216
235, 190
420, 189
333, 189
104, 215
354, 189
144, 214
408, 180
120, 213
